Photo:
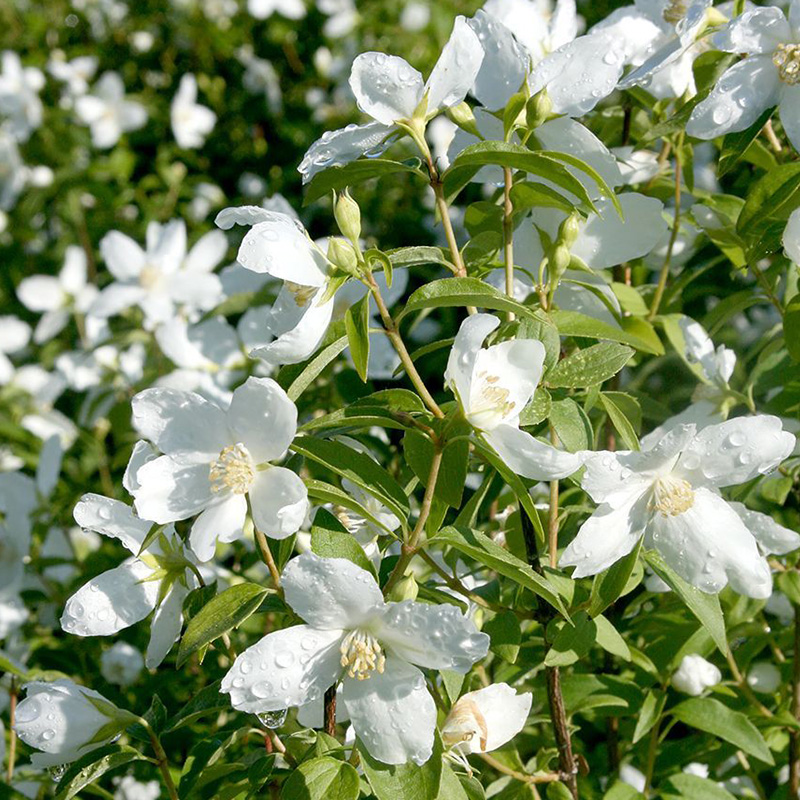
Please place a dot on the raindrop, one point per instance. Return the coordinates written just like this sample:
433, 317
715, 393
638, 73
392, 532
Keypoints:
48, 735
272, 719
57, 772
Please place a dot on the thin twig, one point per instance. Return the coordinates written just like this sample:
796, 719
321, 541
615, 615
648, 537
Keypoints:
773, 140
742, 683
544, 777
161, 759
508, 234
330, 711
266, 557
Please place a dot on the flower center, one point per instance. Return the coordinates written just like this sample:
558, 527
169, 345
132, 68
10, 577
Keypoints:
491, 400
149, 277
787, 59
671, 496
234, 470
302, 294
674, 11
464, 722
361, 654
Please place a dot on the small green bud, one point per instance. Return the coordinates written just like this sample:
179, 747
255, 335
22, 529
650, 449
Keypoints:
405, 589
348, 216
538, 109
343, 255
463, 117
558, 262
569, 229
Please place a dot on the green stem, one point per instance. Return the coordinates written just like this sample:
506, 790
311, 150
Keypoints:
508, 234
161, 759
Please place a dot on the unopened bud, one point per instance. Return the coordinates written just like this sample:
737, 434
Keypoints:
405, 589
348, 216
569, 229
342, 254
463, 117
558, 262
538, 109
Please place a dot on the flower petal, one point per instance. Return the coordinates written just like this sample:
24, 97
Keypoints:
387, 88
124, 258
279, 501
606, 537
463, 355
179, 421
165, 627
112, 518
708, 545
223, 521
743, 92
280, 247
791, 237
287, 668
242, 215
790, 114
207, 253
393, 713
503, 712
529, 457
263, 418
771, 537
171, 489
330, 592
40, 293
735, 451
455, 71
432, 636
758, 30
112, 601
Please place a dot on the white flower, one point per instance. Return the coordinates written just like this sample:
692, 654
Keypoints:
19, 96
191, 122
128, 788
106, 111
13, 173
14, 336
486, 719
769, 75
56, 297
279, 246
163, 276
695, 675
791, 237
157, 578
391, 91
670, 495
121, 664
215, 461
493, 386
291, 9
764, 677
632, 776
354, 636
76, 74
696, 768
415, 16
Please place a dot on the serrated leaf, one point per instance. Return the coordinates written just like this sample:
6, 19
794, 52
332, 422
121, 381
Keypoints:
589, 366
221, 614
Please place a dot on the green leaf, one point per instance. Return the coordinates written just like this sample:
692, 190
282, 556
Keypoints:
356, 467
529, 194
419, 451
589, 366
315, 366
609, 585
207, 701
622, 791
352, 174
573, 323
609, 638
538, 409
650, 712
356, 323
94, 765
328, 493
619, 420
692, 787
403, 781
791, 328
322, 778
505, 634
571, 424
418, 257
711, 716
734, 144
462, 292
450, 788
330, 540
221, 614
484, 550
704, 606
543, 164
11, 665
572, 642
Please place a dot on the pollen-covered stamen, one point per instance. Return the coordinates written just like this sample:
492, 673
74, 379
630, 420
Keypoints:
674, 11
787, 59
302, 294
233, 470
491, 397
361, 654
671, 496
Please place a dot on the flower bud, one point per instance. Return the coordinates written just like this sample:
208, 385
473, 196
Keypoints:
764, 677
558, 262
695, 675
463, 116
538, 109
405, 589
569, 229
63, 720
121, 664
343, 255
348, 216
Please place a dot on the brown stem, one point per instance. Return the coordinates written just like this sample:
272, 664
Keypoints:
330, 710
412, 545
546, 777
266, 556
794, 736
161, 760
552, 519
764, 283
676, 224
508, 234
399, 346
567, 763
744, 686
